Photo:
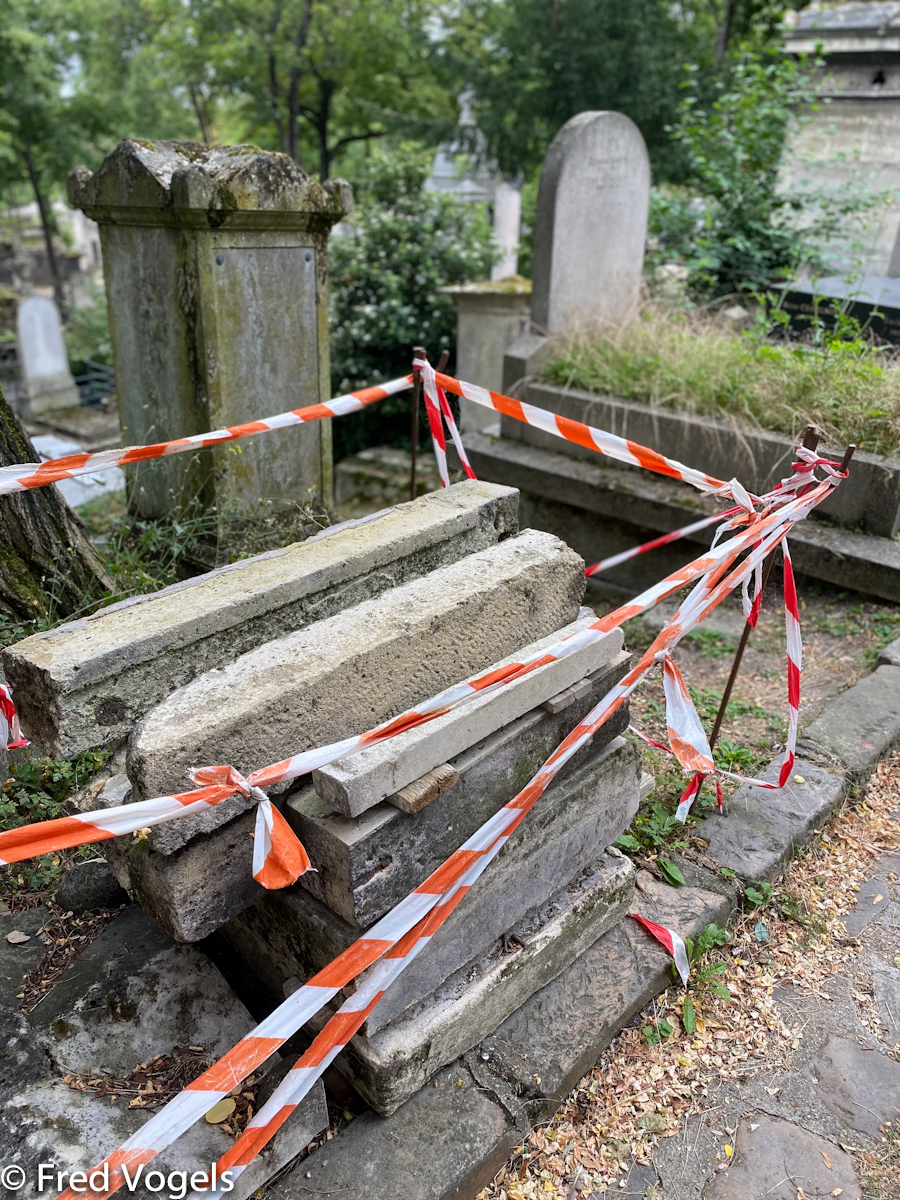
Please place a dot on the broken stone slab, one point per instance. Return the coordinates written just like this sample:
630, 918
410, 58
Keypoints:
861, 726
764, 829
889, 656
393, 1063
355, 783
88, 682
367, 864
873, 903
345, 674
132, 994
777, 1160
290, 934
178, 997
858, 1085
471, 1115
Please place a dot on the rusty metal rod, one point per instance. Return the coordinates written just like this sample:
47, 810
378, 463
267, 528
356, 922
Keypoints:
418, 352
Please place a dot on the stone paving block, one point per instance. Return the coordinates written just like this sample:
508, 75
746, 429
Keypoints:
858, 1085
289, 934
191, 892
18, 959
861, 726
774, 1159
367, 864
347, 673
391, 1064
890, 655
764, 829
88, 682
131, 994
468, 1118
873, 903
353, 784
886, 983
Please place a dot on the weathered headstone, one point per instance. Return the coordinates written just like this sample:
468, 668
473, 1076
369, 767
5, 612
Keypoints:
215, 265
591, 224
47, 383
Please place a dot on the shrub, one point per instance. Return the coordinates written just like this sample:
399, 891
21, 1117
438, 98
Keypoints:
403, 244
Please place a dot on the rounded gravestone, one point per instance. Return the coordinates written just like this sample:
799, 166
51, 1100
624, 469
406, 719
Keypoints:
591, 225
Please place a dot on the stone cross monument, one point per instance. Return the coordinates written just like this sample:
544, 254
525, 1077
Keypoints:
215, 266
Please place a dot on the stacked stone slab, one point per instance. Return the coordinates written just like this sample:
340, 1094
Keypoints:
328, 638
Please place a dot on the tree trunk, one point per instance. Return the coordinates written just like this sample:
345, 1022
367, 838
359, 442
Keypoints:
48, 568
46, 225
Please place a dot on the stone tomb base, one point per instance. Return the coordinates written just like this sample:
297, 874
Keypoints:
391, 1065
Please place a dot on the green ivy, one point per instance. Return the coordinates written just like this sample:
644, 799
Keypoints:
38, 790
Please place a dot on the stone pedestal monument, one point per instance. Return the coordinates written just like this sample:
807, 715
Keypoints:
215, 265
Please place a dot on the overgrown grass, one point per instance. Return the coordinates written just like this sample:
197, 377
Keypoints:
683, 359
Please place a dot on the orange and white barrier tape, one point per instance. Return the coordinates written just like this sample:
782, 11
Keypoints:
42, 837
440, 893
23, 476
10, 733
606, 564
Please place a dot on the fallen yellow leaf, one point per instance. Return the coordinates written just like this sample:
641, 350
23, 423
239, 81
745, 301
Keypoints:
799, 779
826, 1159
221, 1111
729, 1150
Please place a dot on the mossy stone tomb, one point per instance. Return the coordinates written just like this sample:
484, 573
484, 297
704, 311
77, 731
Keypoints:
215, 262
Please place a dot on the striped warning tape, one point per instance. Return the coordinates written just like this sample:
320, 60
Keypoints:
606, 564
23, 476
10, 733
220, 783
714, 576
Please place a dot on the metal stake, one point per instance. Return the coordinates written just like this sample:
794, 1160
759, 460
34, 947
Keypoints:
418, 352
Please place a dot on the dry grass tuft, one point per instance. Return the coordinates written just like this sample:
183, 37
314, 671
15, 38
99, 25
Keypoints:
676, 358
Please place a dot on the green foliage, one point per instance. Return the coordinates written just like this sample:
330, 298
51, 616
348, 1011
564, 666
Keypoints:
403, 244
735, 229
705, 978
683, 360
87, 334
671, 872
658, 1031
38, 790
757, 896
653, 826
536, 63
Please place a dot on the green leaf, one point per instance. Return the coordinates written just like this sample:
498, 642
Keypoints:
627, 841
688, 1016
722, 991
670, 872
